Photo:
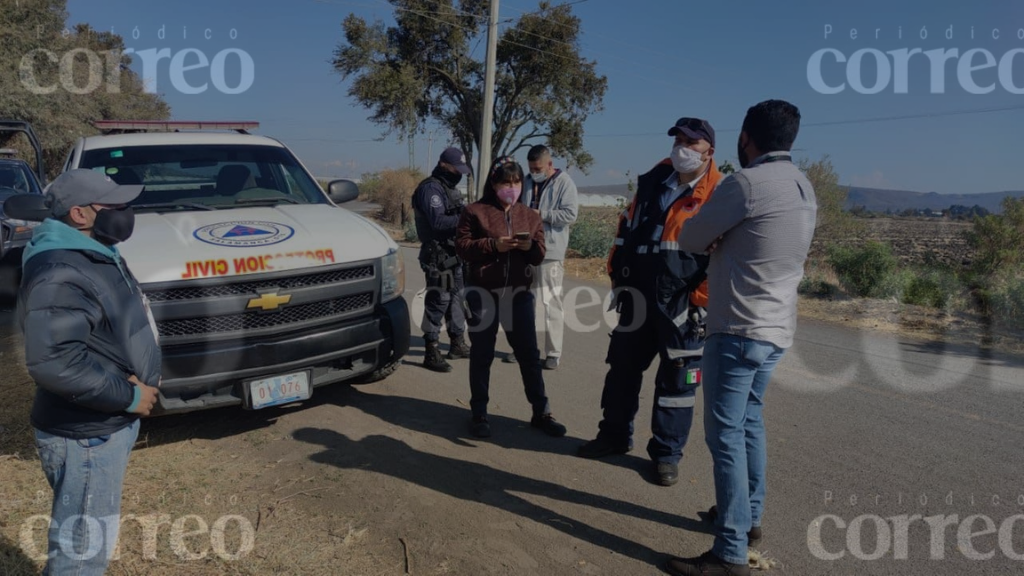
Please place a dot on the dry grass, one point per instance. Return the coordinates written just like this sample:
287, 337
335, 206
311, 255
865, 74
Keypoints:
916, 321
392, 190
590, 269
758, 561
174, 473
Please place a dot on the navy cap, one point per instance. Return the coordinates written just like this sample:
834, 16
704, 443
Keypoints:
82, 187
456, 158
694, 128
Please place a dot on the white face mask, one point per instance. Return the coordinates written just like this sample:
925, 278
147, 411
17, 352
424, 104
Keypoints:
538, 177
685, 160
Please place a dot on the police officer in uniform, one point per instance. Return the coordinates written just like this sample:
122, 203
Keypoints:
661, 300
437, 206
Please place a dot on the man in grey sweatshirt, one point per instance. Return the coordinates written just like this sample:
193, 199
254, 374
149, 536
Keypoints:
552, 193
758, 228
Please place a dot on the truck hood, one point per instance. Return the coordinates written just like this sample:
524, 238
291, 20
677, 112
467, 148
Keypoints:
195, 245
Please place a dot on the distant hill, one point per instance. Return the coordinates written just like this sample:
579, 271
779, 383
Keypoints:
607, 190
874, 199
880, 200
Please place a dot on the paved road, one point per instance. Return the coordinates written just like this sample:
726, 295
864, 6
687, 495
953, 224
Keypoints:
861, 426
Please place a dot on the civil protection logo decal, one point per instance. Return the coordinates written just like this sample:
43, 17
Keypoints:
244, 233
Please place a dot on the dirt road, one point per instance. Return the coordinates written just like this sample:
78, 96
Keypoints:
385, 479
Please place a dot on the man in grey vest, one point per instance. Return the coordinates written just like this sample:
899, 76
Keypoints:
758, 228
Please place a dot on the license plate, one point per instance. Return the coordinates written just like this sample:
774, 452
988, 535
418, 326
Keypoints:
279, 390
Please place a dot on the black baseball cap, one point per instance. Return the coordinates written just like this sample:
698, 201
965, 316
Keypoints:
694, 128
82, 187
456, 158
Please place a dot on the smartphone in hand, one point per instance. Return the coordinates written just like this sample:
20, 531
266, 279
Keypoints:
522, 236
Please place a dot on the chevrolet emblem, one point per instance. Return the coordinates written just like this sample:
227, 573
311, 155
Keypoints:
269, 301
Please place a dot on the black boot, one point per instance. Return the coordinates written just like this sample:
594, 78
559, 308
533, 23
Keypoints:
432, 359
458, 348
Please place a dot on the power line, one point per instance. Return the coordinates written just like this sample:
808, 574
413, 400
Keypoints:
430, 16
842, 122
384, 3
731, 130
609, 38
332, 140
583, 46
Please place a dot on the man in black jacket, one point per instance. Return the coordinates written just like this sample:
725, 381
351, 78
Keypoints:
437, 205
91, 347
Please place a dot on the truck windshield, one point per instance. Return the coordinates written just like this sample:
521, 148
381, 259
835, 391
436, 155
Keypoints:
207, 176
17, 176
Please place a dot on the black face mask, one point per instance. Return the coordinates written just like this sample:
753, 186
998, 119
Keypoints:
113, 226
741, 155
451, 179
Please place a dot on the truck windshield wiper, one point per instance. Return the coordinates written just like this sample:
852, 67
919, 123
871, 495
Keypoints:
174, 206
268, 200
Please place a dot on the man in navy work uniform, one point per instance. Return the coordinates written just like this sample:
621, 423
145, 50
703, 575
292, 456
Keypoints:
91, 348
661, 308
437, 206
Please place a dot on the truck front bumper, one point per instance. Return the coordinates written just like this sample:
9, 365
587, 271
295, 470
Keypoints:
206, 375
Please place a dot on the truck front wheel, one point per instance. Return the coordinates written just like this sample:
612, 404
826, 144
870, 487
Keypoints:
378, 374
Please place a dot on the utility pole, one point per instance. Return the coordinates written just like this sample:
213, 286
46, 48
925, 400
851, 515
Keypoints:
488, 116
430, 145
412, 149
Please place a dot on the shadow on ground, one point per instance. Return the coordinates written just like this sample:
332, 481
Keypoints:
13, 561
451, 422
500, 489
968, 352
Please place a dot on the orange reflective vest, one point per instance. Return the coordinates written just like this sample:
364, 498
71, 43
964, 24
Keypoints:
678, 264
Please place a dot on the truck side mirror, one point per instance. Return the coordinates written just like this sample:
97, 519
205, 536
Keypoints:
31, 207
341, 191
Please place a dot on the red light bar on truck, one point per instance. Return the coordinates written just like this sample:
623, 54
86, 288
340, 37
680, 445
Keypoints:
126, 126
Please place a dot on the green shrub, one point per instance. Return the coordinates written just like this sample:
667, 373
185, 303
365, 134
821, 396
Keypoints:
1003, 298
865, 269
593, 233
817, 285
410, 232
936, 288
998, 239
369, 184
893, 284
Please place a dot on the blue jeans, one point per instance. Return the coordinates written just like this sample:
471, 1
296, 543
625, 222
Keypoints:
736, 374
86, 477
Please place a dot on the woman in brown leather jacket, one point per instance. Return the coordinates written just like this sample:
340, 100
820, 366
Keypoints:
501, 240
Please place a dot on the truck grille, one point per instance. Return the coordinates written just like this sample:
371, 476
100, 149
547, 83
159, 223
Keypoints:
255, 320
249, 288
254, 287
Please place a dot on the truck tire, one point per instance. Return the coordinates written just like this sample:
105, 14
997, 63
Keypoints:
378, 374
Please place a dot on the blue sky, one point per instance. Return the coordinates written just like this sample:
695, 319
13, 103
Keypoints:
663, 59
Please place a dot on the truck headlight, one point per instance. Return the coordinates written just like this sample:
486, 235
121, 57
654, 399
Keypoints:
392, 283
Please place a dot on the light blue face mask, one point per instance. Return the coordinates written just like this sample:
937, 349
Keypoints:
538, 177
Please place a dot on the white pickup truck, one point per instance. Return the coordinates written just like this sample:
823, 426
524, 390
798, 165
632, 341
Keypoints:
261, 286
